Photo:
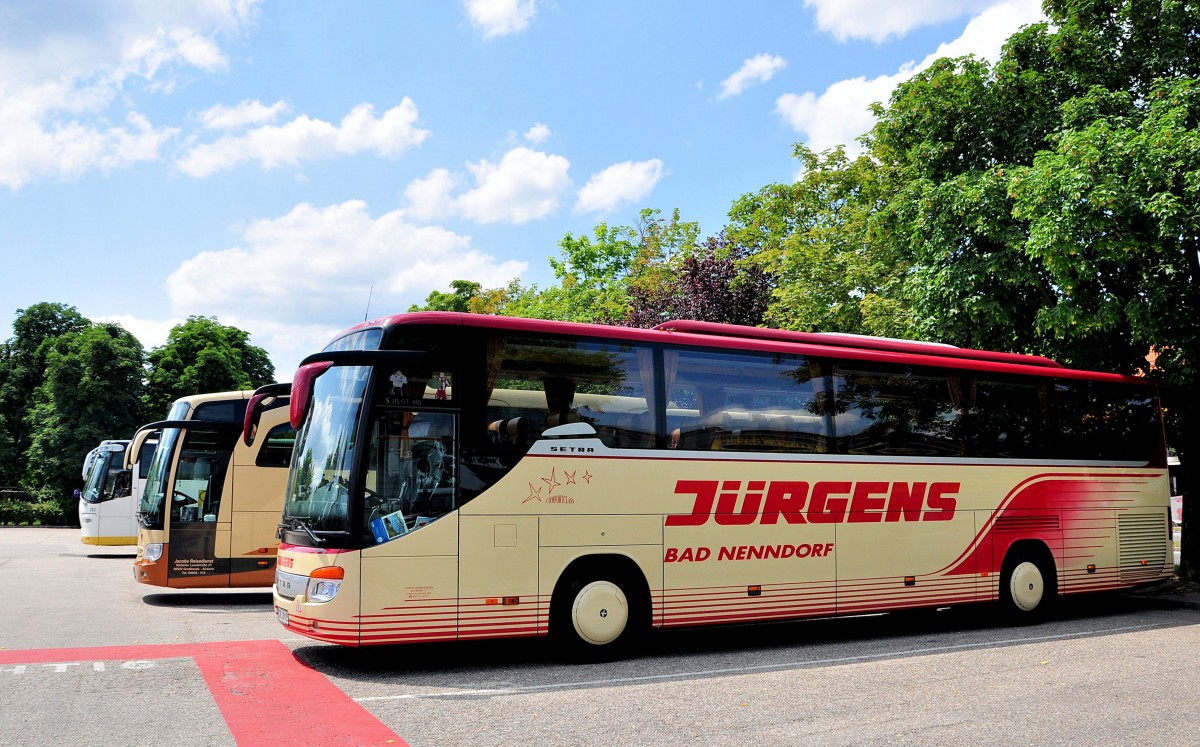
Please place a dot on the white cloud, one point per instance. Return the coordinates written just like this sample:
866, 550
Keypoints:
151, 333
431, 198
758, 69
69, 73
245, 113
305, 138
619, 184
537, 134
294, 281
879, 19
841, 113
501, 17
525, 185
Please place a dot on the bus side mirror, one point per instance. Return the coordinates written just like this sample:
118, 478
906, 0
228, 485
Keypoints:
264, 397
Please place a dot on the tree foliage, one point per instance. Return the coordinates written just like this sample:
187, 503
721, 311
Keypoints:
1050, 204
90, 391
462, 292
711, 283
202, 356
595, 275
37, 331
816, 238
67, 383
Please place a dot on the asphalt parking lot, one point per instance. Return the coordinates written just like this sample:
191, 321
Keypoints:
87, 656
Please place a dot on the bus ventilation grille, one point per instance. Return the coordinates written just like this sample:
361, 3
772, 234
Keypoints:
1027, 523
1142, 545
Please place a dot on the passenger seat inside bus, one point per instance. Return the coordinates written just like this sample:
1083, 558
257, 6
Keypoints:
511, 432
701, 434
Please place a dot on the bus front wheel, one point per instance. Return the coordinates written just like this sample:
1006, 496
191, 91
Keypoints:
595, 617
1028, 584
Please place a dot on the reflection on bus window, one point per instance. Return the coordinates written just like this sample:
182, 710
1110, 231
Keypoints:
410, 478
539, 384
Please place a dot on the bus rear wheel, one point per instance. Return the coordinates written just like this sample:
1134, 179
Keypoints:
1028, 584
594, 617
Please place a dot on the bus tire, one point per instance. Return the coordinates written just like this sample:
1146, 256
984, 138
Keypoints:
597, 616
1028, 583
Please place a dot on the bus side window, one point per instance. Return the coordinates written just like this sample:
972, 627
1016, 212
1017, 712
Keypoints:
1007, 419
276, 449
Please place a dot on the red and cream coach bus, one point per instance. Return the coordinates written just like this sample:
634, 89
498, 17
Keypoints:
459, 477
210, 509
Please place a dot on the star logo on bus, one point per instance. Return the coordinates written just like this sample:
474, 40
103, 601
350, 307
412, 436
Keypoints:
534, 494
570, 476
551, 483
587, 477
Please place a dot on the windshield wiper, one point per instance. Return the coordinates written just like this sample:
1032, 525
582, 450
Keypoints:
298, 523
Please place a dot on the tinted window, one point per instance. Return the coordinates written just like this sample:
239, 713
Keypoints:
366, 339
536, 384
276, 449
1095, 421
144, 457
200, 474
225, 411
895, 411
744, 402
1008, 419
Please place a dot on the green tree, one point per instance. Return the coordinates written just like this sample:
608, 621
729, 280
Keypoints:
462, 293
91, 391
1114, 213
37, 330
711, 283
946, 145
202, 356
595, 274
1048, 204
818, 238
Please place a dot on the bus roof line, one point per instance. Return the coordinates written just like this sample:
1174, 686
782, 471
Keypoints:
844, 340
815, 344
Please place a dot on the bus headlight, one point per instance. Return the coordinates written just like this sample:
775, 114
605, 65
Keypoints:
320, 590
324, 583
153, 552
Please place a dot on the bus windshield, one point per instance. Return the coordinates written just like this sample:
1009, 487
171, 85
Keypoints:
318, 489
98, 487
151, 507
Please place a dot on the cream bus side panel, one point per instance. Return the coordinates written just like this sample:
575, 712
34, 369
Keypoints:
256, 505
499, 558
875, 558
410, 586
709, 571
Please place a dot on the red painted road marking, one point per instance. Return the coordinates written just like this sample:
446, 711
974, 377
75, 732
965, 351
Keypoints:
265, 695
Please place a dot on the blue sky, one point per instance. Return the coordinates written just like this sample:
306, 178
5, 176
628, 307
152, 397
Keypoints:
276, 164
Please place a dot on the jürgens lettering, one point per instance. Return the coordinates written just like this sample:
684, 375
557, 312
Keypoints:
732, 503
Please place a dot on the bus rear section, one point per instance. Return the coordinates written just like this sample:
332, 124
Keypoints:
459, 477
212, 502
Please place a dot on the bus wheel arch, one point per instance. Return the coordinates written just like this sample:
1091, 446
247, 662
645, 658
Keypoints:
600, 608
1028, 581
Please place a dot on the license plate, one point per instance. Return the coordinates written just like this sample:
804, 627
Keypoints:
282, 614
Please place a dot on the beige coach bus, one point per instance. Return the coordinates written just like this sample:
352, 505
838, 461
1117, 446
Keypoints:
460, 477
210, 508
